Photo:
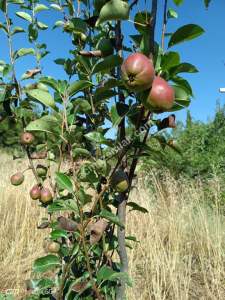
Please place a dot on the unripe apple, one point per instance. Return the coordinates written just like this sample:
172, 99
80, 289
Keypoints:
17, 178
138, 72
53, 247
26, 138
46, 196
161, 96
35, 192
120, 181
41, 170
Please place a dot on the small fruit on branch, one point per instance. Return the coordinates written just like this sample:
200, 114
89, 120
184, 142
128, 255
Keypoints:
41, 170
46, 196
161, 96
120, 181
138, 72
53, 247
17, 178
35, 192
26, 138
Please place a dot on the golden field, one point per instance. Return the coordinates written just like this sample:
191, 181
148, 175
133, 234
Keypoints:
181, 254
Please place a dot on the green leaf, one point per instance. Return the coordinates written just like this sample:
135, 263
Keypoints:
77, 86
4, 28
63, 205
39, 285
83, 197
111, 217
115, 117
64, 181
182, 99
42, 26
56, 7
185, 33
135, 206
114, 10
24, 51
51, 82
97, 137
2, 93
178, 2
3, 5
48, 124
82, 106
169, 60
172, 13
17, 29
183, 68
184, 84
43, 97
80, 152
142, 21
58, 24
24, 15
40, 7
46, 263
58, 233
107, 64
75, 25
106, 273
87, 174
102, 94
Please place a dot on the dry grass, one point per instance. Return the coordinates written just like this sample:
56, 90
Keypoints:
181, 255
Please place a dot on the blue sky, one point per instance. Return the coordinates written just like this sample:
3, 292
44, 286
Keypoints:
207, 52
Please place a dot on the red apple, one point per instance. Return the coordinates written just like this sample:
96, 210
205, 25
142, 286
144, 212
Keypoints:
35, 192
161, 96
46, 196
138, 72
26, 138
17, 178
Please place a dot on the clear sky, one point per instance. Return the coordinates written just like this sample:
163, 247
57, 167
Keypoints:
207, 52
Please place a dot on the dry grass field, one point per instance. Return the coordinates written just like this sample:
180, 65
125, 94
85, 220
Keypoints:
181, 255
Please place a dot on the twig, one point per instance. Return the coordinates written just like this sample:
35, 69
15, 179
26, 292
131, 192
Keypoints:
94, 53
164, 24
120, 290
152, 28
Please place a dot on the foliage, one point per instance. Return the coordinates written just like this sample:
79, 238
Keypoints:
70, 119
201, 147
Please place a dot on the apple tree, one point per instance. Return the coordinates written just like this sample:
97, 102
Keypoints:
83, 172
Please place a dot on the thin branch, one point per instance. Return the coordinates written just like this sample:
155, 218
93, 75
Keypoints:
94, 53
152, 28
121, 211
164, 24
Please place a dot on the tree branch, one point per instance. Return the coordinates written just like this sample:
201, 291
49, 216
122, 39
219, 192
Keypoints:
152, 28
164, 24
121, 211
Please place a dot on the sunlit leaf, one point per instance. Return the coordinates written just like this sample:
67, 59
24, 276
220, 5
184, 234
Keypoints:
43, 97
46, 263
24, 15
185, 33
